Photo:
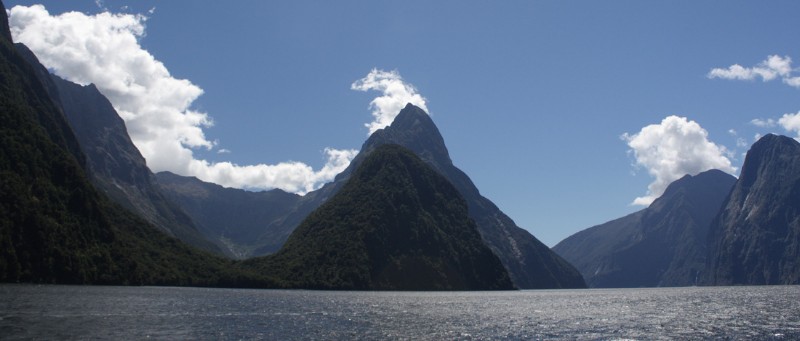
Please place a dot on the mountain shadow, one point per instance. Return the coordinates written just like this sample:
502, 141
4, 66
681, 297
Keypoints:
661, 245
755, 239
395, 225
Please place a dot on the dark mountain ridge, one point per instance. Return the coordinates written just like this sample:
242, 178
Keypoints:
55, 227
110, 158
661, 245
395, 225
755, 239
115, 164
236, 218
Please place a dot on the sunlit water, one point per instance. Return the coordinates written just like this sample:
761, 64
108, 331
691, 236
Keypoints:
79, 312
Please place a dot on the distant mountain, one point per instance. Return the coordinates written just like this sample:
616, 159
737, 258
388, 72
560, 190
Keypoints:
755, 239
662, 245
236, 218
55, 227
395, 225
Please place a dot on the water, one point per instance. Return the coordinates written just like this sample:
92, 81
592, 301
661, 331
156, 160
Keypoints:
80, 312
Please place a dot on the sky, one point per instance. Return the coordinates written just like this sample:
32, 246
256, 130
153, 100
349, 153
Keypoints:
566, 114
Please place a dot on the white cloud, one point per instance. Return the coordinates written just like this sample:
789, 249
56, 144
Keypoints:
763, 123
773, 67
295, 177
791, 122
396, 94
741, 143
792, 81
104, 49
672, 149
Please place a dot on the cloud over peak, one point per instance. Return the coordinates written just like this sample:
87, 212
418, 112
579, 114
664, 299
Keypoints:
104, 49
396, 94
671, 149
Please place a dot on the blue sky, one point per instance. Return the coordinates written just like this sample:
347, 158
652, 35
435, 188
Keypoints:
533, 98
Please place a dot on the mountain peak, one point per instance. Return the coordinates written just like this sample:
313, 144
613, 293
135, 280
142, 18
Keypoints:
774, 141
411, 115
754, 239
773, 138
692, 182
661, 245
413, 129
770, 151
4, 30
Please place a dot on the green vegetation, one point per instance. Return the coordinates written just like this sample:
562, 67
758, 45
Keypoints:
54, 226
395, 225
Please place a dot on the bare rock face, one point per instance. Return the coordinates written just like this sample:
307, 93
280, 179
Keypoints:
116, 166
755, 239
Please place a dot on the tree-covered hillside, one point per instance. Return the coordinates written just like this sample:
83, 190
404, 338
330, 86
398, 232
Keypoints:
55, 227
395, 225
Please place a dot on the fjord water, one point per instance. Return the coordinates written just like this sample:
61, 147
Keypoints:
82, 312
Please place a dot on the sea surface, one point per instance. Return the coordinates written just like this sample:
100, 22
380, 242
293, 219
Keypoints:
128, 313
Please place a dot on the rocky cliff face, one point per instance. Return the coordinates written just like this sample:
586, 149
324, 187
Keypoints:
662, 245
115, 164
755, 239
109, 156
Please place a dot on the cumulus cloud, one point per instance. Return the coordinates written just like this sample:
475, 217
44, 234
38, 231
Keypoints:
772, 68
396, 94
104, 49
671, 149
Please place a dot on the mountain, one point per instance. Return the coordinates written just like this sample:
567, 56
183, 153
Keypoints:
236, 218
395, 225
530, 263
755, 239
117, 167
661, 245
55, 227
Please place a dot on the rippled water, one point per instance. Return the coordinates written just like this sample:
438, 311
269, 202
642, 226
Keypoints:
79, 312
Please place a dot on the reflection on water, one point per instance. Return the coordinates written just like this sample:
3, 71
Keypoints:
81, 312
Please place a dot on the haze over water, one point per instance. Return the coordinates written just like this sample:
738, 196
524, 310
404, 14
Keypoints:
81, 312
